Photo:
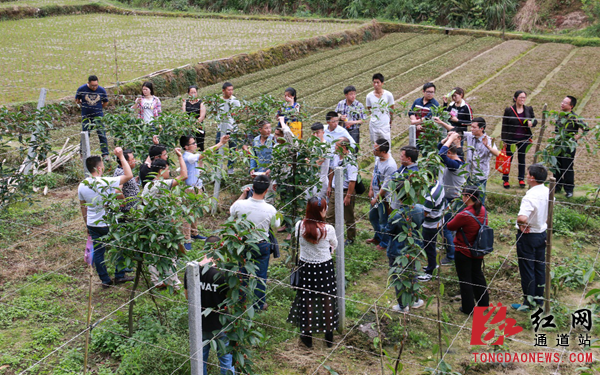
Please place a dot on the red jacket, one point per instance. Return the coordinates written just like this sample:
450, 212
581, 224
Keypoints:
469, 226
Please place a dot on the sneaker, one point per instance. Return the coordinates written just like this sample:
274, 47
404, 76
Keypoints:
447, 261
520, 307
348, 242
397, 308
419, 303
506, 185
372, 241
424, 277
230, 171
569, 195
199, 237
522, 184
124, 279
425, 268
187, 246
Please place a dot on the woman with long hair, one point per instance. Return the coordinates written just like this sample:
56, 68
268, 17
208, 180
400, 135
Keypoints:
315, 306
517, 122
473, 287
147, 107
194, 106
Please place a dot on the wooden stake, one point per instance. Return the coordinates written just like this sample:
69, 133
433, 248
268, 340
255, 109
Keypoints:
549, 245
542, 129
116, 66
89, 321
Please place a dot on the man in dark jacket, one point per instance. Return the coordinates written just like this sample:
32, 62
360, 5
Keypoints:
570, 126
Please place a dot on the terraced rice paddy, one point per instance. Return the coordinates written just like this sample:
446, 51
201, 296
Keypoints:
488, 69
60, 52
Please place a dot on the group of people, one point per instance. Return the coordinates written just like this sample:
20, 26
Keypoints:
454, 205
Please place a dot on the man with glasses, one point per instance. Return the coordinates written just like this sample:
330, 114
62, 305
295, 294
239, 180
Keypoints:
192, 163
421, 108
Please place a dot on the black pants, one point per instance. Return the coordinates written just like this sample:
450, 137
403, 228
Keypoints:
565, 178
200, 140
531, 250
429, 244
521, 153
473, 287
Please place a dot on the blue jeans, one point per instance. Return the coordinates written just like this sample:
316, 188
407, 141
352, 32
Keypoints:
96, 123
531, 250
261, 258
232, 145
378, 217
397, 248
225, 360
99, 249
447, 234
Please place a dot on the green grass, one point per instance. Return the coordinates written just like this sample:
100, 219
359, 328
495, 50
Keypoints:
39, 3
60, 52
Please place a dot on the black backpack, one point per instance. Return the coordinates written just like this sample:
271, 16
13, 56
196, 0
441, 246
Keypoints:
484, 242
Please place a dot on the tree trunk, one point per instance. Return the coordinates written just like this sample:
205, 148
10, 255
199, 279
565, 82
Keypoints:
138, 271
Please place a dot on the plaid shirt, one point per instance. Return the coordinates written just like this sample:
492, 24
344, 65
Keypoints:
354, 112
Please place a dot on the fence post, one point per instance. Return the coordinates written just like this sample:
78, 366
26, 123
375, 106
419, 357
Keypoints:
223, 129
195, 317
85, 150
541, 136
548, 284
412, 135
340, 267
27, 164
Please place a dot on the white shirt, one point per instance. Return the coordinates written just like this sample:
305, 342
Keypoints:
380, 109
152, 188
224, 112
259, 212
331, 136
534, 205
350, 171
95, 211
147, 110
319, 252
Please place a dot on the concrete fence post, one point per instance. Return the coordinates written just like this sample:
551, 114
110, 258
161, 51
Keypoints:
195, 317
412, 135
340, 266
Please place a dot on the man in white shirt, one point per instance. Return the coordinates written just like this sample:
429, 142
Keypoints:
479, 149
321, 191
90, 193
531, 238
342, 158
225, 119
263, 216
333, 131
380, 102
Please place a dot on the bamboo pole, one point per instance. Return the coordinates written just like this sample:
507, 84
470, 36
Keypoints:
542, 129
89, 321
549, 245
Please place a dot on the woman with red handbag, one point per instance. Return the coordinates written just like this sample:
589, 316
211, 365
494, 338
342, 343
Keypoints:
517, 122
